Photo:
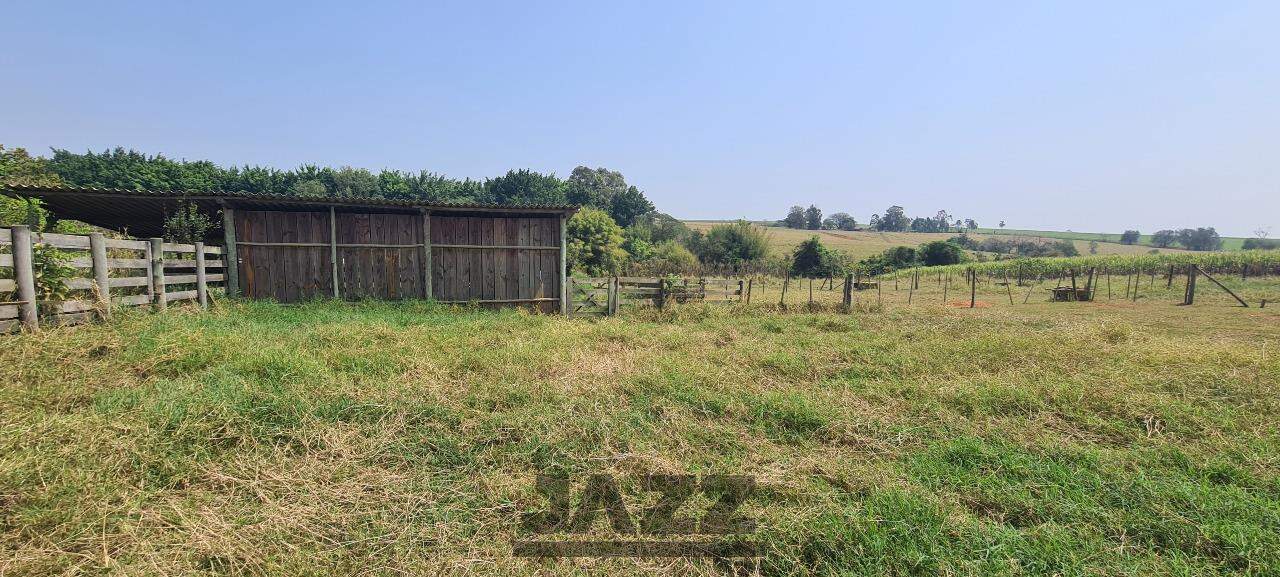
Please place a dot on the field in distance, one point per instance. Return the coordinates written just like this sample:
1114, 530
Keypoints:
1228, 242
862, 244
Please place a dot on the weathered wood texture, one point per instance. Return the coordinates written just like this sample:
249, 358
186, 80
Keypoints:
283, 273
110, 276
491, 260
468, 266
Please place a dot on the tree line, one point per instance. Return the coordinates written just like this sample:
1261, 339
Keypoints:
1203, 238
894, 219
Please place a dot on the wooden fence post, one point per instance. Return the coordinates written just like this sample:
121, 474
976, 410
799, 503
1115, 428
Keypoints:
157, 272
847, 297
662, 293
202, 288
741, 285
1008, 287
1222, 286
1190, 296
945, 287
973, 288
782, 300
1137, 280
101, 280
24, 276
750, 285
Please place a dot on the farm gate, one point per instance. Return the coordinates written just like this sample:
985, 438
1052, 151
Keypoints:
605, 296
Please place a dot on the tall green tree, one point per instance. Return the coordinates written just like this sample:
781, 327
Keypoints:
795, 218
813, 260
525, 187
594, 242
813, 218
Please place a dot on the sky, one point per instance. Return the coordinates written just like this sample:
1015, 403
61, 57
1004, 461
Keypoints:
1085, 116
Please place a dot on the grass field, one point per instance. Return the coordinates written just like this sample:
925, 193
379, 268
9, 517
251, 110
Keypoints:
1228, 242
862, 244
1049, 439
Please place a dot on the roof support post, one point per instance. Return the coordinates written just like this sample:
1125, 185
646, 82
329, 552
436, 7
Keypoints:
564, 265
229, 252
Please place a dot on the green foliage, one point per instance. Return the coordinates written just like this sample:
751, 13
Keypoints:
525, 187
187, 224
1164, 238
1130, 237
940, 253
1200, 239
733, 244
1125, 264
657, 227
896, 258
795, 218
813, 218
1261, 244
839, 221
595, 242
17, 166
812, 260
894, 220
50, 271
669, 258
607, 190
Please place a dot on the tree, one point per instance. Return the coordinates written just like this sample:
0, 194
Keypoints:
795, 218
1260, 244
896, 258
1093, 246
971, 224
839, 221
894, 220
628, 205
1130, 237
671, 258
594, 242
661, 227
1164, 238
813, 218
940, 252
944, 221
607, 190
733, 244
1200, 239
525, 186
812, 260
1002, 224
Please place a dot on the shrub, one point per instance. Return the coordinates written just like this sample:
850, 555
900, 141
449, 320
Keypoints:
733, 244
813, 260
940, 252
595, 242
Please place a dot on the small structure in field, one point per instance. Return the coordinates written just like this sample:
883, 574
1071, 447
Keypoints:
1068, 294
292, 249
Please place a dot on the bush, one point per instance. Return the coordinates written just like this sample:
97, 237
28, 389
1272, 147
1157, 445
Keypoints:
1261, 244
669, 257
595, 242
812, 260
940, 252
896, 258
733, 244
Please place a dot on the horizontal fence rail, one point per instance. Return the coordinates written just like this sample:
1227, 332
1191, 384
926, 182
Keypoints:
604, 296
105, 273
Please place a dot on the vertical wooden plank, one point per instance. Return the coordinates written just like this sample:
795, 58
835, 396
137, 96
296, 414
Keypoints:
564, 265
426, 255
333, 252
231, 268
24, 276
101, 276
202, 288
157, 272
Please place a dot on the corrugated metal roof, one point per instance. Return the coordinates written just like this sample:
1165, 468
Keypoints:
141, 213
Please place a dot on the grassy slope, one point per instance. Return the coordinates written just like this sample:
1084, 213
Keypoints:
861, 244
1228, 242
1045, 439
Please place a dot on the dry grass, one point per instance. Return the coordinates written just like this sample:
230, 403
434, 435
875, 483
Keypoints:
403, 439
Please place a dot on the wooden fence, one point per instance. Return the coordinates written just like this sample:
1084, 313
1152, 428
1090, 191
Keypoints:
604, 296
109, 272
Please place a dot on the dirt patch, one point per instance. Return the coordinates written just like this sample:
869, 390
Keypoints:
965, 304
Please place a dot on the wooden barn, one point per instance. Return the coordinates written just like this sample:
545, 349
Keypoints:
293, 249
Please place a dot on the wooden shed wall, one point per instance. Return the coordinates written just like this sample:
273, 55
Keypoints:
496, 260
499, 271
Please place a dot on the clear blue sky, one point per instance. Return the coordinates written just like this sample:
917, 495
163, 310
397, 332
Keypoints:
1080, 115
